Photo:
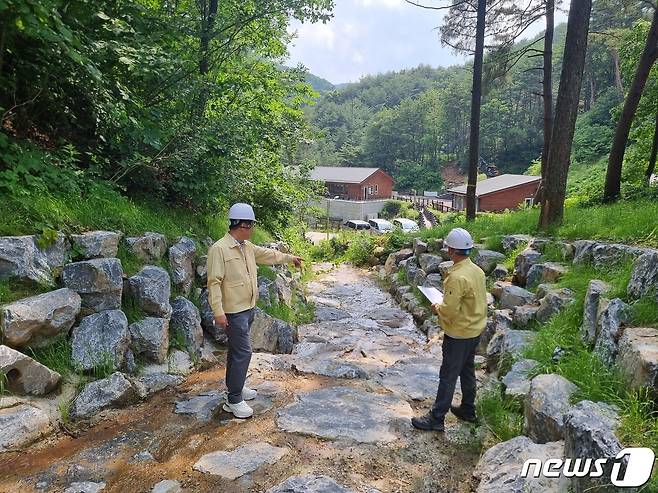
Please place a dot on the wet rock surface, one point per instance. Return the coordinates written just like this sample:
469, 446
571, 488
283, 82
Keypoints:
344, 413
174, 420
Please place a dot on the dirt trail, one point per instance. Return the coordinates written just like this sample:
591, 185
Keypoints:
344, 398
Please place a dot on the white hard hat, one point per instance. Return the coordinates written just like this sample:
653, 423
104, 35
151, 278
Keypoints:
459, 239
242, 212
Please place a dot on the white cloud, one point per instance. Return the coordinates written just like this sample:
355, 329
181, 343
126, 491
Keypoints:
318, 34
389, 4
357, 57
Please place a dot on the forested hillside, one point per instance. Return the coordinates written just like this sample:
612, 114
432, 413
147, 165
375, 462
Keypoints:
413, 122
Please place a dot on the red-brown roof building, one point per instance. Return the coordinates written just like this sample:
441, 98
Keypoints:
349, 183
498, 193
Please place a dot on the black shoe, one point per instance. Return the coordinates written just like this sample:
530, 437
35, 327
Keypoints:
427, 423
463, 415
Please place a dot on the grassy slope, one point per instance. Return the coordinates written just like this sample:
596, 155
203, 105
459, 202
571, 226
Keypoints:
632, 222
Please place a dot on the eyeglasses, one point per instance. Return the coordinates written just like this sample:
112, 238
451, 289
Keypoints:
246, 225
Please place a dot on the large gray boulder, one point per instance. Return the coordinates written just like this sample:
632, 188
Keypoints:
506, 345
284, 289
513, 242
113, 392
97, 244
21, 258
500, 272
150, 338
394, 259
216, 332
149, 248
583, 251
420, 246
522, 264
310, 484
36, 320
499, 320
592, 307
524, 315
488, 259
638, 357
644, 278
512, 296
610, 326
606, 255
545, 272
444, 267
589, 432
99, 282
553, 303
266, 291
57, 252
499, 468
516, 382
24, 375
411, 266
186, 321
150, 289
434, 281
182, 255
420, 278
201, 270
271, 335
547, 402
22, 425
100, 339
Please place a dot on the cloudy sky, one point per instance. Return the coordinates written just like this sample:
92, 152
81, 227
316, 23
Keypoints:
372, 36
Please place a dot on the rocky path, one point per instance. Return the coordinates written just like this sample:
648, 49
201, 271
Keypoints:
334, 416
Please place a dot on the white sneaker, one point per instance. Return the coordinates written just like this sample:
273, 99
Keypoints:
239, 410
249, 394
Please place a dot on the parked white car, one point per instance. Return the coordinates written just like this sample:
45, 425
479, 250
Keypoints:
356, 225
406, 225
380, 226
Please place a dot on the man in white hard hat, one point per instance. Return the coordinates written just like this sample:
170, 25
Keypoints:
232, 294
463, 316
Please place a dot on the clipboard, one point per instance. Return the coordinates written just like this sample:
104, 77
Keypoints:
432, 294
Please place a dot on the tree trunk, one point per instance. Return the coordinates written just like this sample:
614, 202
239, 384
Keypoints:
547, 92
476, 102
654, 153
566, 111
618, 149
615, 61
206, 34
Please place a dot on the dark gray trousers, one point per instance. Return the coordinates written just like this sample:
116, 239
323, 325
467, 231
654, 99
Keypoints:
239, 353
458, 361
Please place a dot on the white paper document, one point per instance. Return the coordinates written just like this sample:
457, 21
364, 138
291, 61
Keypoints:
432, 294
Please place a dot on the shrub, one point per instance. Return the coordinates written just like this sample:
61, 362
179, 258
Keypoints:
360, 249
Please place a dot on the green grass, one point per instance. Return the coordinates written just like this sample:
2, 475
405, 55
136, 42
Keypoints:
3, 383
177, 341
630, 222
267, 272
101, 207
503, 417
57, 357
645, 312
16, 290
133, 312
298, 313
